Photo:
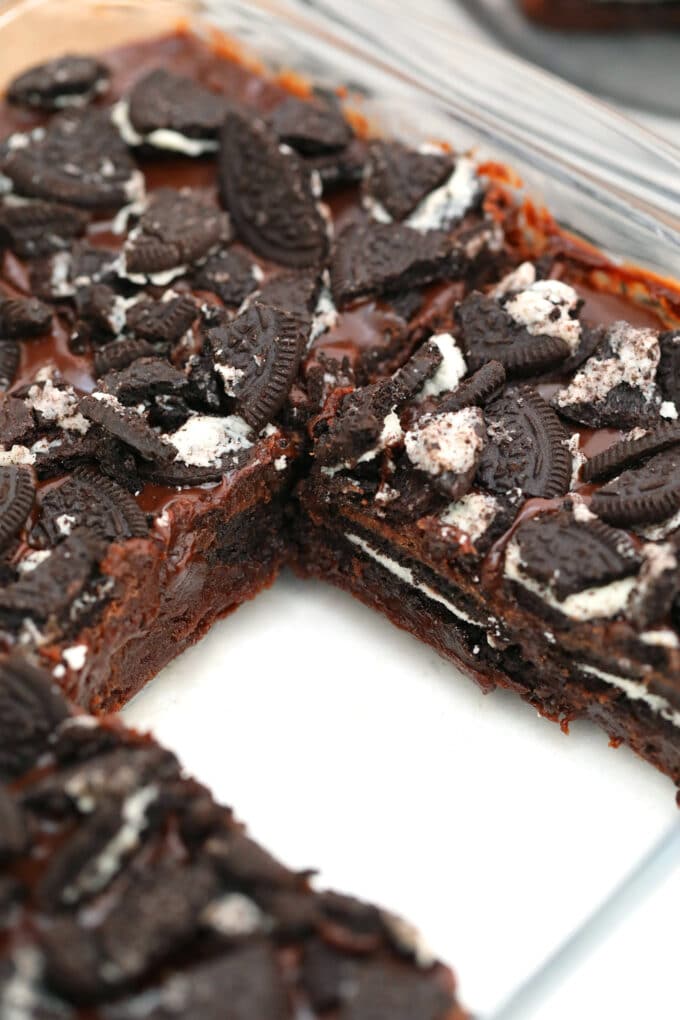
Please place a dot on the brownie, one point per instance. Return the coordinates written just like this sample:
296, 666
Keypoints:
127, 892
605, 15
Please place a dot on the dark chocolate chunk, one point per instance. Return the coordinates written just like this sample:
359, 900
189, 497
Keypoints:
80, 160
668, 373
126, 424
571, 555
30, 709
52, 588
88, 500
629, 452
67, 81
143, 380
9, 362
34, 228
336, 169
376, 258
383, 989
269, 195
24, 318
527, 448
311, 127
13, 831
16, 420
177, 229
17, 492
242, 985
257, 357
490, 334
164, 321
163, 101
230, 274
295, 293
641, 495
399, 178
119, 354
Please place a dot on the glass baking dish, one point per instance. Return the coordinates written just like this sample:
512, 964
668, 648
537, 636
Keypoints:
614, 184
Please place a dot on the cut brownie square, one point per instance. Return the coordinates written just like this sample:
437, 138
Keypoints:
126, 892
456, 497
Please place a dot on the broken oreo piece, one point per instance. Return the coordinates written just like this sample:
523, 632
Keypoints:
165, 321
269, 195
13, 828
126, 424
336, 169
17, 492
176, 230
143, 380
668, 374
24, 318
168, 111
16, 420
447, 448
88, 500
478, 390
230, 274
489, 333
30, 709
397, 178
641, 495
10, 356
257, 357
293, 292
67, 81
376, 258
34, 228
629, 452
569, 555
78, 159
527, 448
311, 127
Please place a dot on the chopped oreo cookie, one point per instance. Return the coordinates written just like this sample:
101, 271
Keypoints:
89, 500
616, 387
143, 380
311, 127
269, 194
171, 112
256, 357
119, 354
527, 452
641, 495
16, 420
447, 447
176, 230
668, 374
30, 710
10, 355
630, 452
163, 322
67, 81
337, 169
34, 228
379, 258
230, 274
397, 178
127, 424
77, 159
294, 292
365, 424
24, 318
17, 493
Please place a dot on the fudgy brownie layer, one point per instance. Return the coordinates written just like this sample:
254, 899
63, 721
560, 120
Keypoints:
127, 893
605, 15
453, 623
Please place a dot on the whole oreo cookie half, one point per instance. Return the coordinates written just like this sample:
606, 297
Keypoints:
88, 500
377, 258
78, 159
527, 448
569, 555
177, 229
256, 357
169, 111
312, 127
34, 228
268, 192
397, 178
67, 81
642, 495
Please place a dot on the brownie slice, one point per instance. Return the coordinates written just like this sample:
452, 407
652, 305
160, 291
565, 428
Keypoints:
127, 892
456, 497
605, 15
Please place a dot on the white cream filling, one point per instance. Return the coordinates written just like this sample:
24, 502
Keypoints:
472, 515
405, 574
448, 442
161, 138
234, 916
545, 308
204, 439
635, 690
451, 370
450, 202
